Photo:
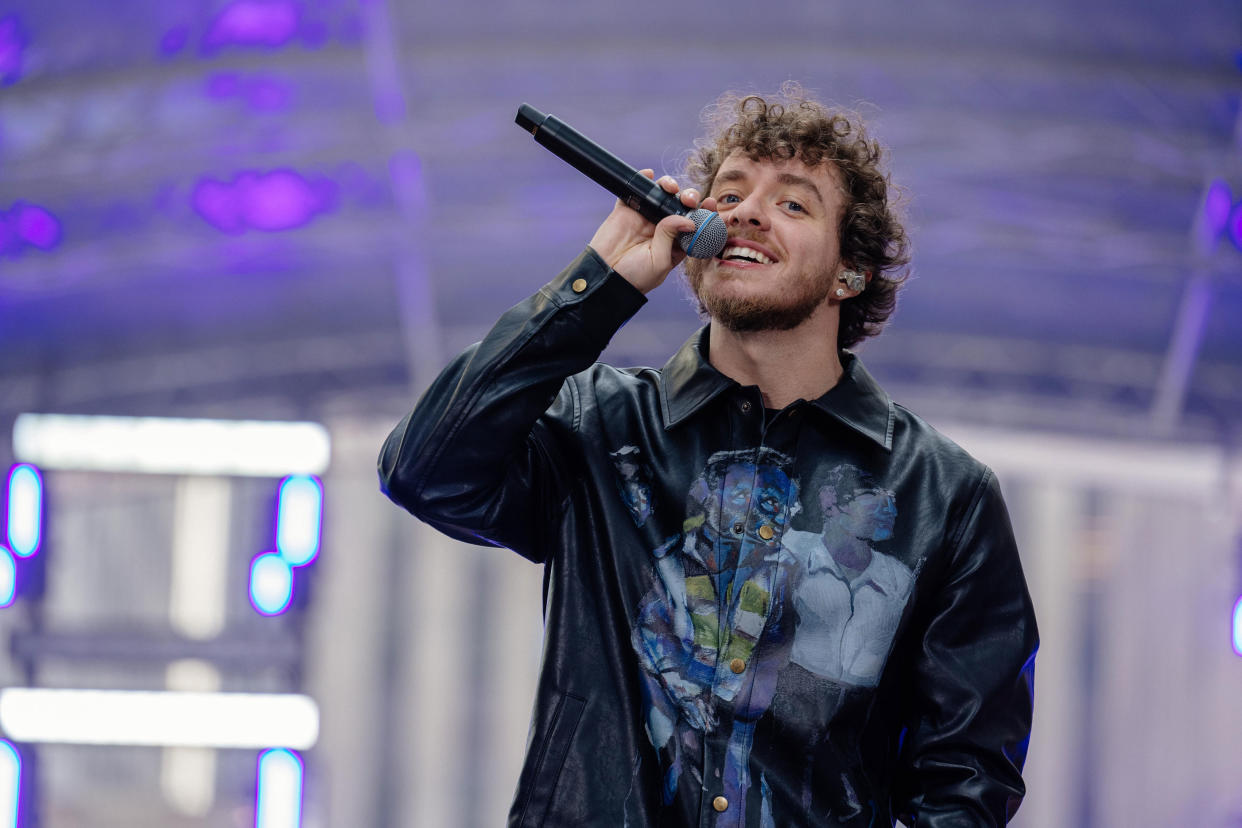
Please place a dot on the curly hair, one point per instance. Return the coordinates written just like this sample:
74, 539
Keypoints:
793, 126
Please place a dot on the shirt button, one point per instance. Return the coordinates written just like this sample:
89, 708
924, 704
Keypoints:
766, 532
720, 804
739, 528
579, 285
737, 666
745, 406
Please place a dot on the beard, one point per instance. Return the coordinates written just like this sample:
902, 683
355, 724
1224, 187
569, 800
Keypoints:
764, 313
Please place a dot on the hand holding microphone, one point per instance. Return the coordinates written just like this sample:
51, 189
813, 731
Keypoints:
635, 190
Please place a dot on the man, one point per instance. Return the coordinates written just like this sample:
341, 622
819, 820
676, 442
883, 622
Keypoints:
773, 597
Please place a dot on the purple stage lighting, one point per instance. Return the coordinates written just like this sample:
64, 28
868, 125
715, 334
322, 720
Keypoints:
298, 515
271, 583
253, 23
1233, 226
1216, 206
37, 226
25, 512
28, 225
8, 583
273, 201
12, 44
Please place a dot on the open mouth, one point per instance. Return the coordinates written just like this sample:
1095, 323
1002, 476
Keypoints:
737, 253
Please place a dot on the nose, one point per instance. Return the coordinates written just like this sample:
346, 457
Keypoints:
749, 212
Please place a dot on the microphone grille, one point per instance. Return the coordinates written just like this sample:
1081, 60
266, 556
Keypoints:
709, 237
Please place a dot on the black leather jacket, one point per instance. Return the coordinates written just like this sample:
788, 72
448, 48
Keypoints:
815, 616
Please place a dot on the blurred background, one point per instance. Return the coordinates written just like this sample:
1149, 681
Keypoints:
294, 211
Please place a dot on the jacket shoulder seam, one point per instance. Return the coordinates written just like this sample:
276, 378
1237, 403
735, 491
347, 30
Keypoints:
976, 503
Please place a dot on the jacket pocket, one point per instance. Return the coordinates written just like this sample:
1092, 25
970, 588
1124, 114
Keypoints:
551, 758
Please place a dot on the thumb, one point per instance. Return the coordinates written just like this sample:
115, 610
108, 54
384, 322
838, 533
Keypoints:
666, 233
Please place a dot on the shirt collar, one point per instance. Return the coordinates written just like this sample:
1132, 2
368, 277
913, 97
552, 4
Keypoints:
688, 382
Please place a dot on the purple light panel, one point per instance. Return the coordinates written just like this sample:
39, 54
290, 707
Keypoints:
253, 23
1216, 207
268, 202
27, 225
12, 44
1234, 226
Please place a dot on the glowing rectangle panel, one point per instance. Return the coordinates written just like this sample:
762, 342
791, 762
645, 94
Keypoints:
278, 790
196, 605
25, 509
159, 445
298, 514
126, 717
10, 785
1237, 627
8, 582
271, 583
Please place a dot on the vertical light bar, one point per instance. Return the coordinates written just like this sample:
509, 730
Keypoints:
1237, 627
188, 774
25, 509
271, 583
298, 517
200, 546
10, 784
8, 584
278, 794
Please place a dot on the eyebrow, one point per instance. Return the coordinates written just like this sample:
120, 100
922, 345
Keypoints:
785, 178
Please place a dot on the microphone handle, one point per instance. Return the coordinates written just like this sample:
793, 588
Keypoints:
635, 190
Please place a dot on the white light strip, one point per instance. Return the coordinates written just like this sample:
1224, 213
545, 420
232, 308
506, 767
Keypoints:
200, 565
10, 785
1237, 627
278, 790
25, 510
154, 445
127, 717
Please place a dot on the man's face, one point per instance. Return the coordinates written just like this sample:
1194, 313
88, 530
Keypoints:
869, 515
783, 254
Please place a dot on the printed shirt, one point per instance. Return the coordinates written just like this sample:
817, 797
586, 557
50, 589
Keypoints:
812, 617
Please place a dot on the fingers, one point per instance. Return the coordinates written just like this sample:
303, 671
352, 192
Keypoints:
690, 197
672, 226
665, 251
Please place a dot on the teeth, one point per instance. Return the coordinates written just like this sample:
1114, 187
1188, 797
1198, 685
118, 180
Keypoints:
746, 253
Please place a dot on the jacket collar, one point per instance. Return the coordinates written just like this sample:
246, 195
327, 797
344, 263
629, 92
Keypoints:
688, 382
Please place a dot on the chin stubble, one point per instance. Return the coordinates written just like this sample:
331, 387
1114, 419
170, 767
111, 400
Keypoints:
765, 314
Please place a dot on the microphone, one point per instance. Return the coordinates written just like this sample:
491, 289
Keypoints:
634, 189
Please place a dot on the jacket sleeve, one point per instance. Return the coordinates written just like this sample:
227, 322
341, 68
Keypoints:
479, 457
973, 680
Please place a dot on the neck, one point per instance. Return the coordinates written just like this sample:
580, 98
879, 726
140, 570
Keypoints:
797, 364
850, 552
